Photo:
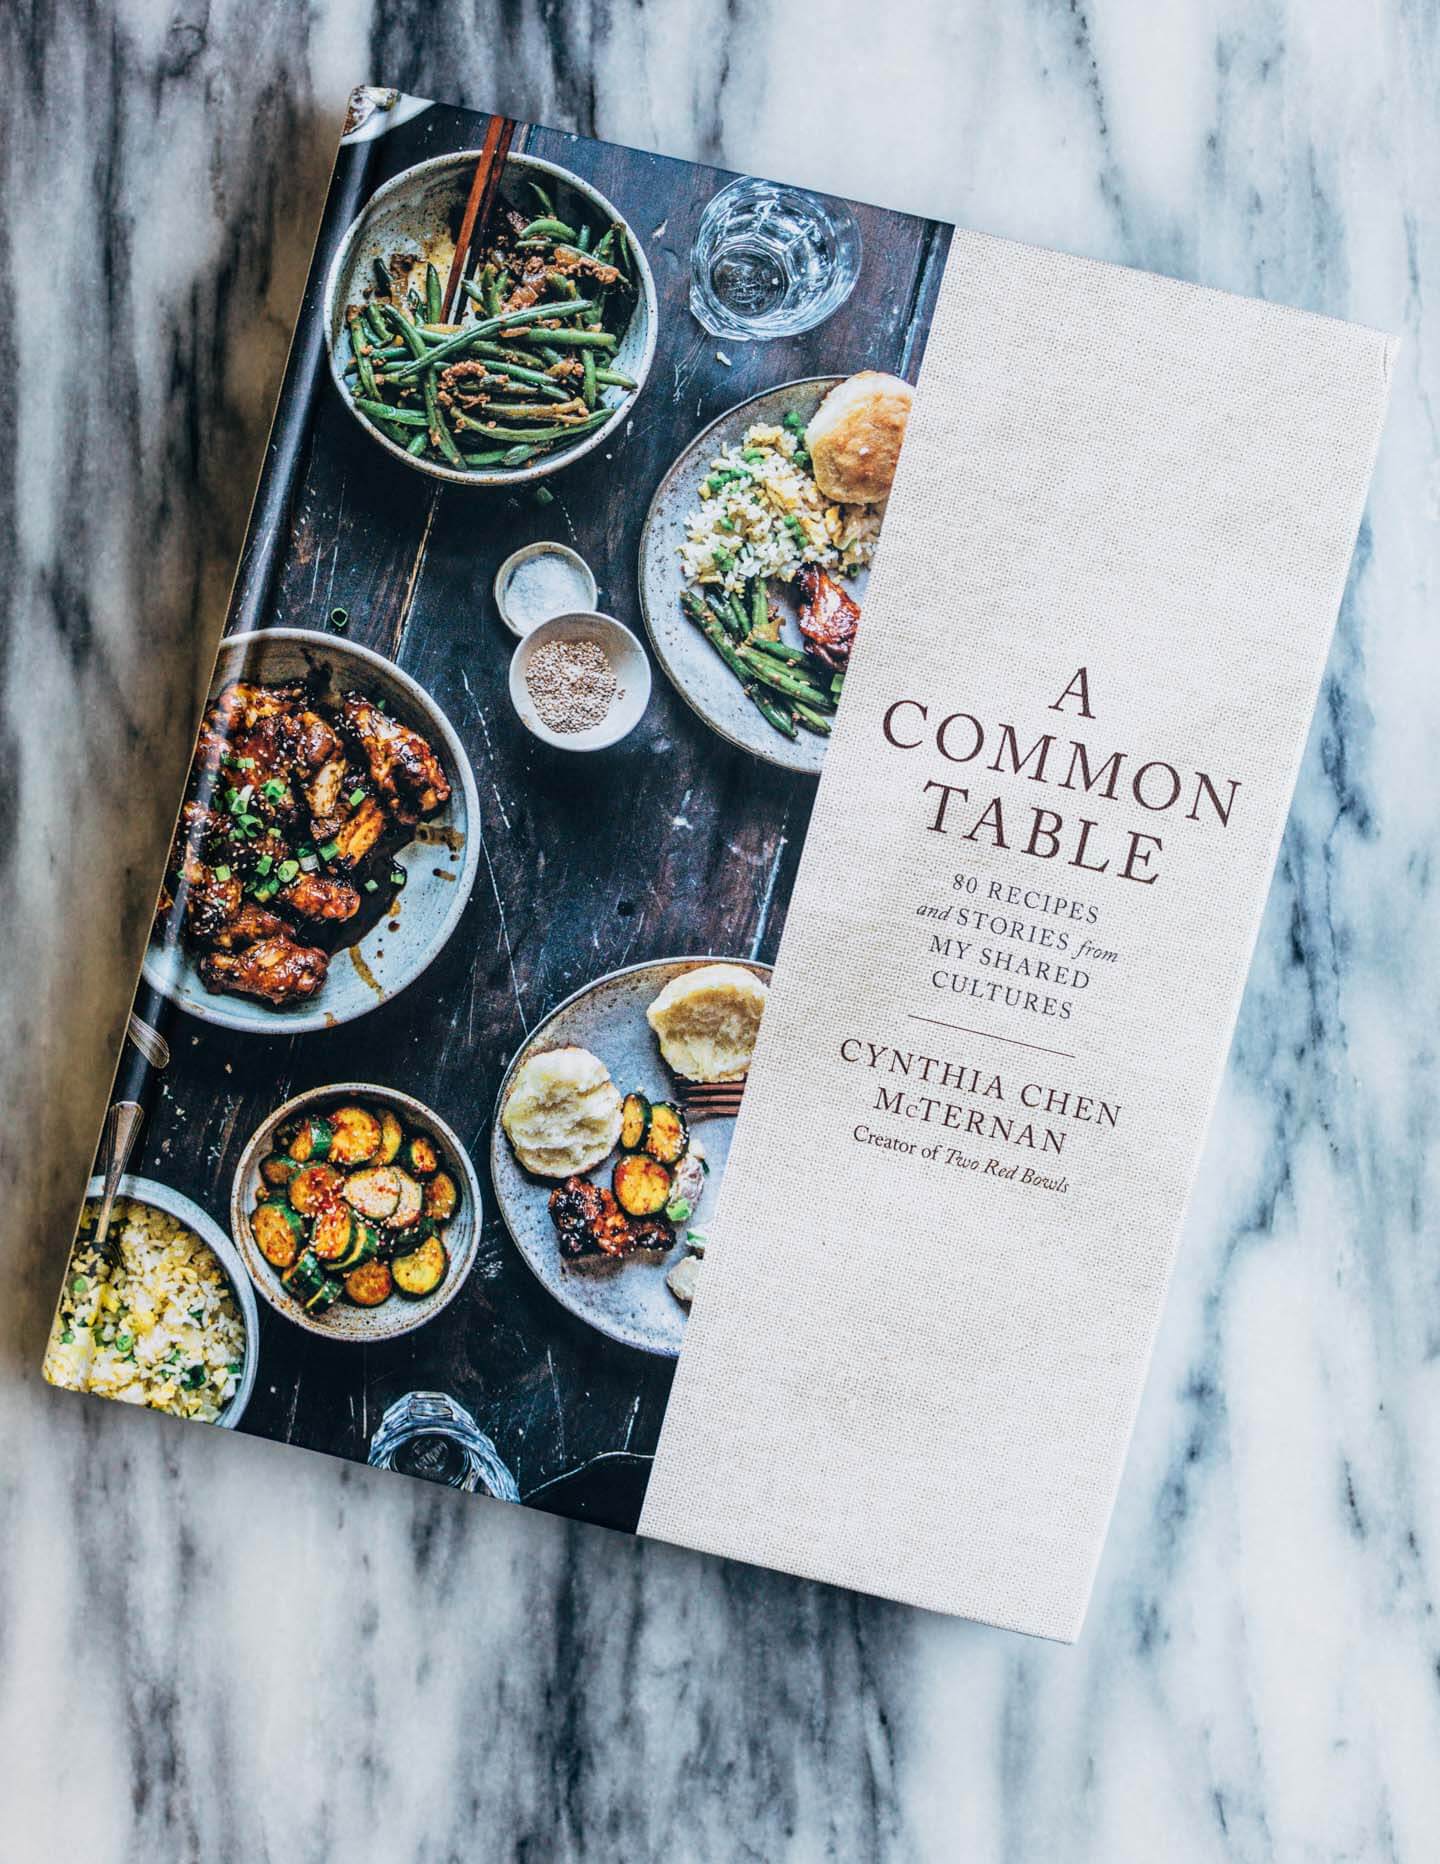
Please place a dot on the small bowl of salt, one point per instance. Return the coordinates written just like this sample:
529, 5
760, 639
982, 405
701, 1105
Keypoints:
542, 580
580, 682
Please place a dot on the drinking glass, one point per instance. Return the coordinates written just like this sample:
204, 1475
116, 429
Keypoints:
771, 261
427, 1434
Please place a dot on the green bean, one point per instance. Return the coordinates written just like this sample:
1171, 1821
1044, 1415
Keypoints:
557, 281
494, 457
434, 297
489, 299
418, 445
759, 606
376, 322
517, 456
583, 237
547, 205
547, 227
378, 354
441, 434
612, 378
724, 614
607, 240
409, 335
784, 681
567, 430
767, 707
811, 720
551, 355
384, 284
520, 411
361, 359
517, 372
452, 346
379, 411
556, 339
589, 391
779, 650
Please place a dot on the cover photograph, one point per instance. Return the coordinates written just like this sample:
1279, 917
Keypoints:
720, 859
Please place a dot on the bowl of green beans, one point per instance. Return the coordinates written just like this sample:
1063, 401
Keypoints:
548, 342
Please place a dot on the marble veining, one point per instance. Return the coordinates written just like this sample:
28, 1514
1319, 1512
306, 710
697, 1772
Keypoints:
213, 1649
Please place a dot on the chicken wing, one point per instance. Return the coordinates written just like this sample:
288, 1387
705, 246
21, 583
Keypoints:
402, 765
276, 970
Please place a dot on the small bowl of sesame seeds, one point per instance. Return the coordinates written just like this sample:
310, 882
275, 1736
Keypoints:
580, 682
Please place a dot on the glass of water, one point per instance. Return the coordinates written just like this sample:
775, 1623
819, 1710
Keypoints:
771, 261
427, 1434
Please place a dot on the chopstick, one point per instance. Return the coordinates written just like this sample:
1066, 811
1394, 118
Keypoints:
499, 134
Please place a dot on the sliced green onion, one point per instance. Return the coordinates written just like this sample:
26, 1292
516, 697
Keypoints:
264, 864
371, 885
222, 873
356, 797
329, 851
286, 872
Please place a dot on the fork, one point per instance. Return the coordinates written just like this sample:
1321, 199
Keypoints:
711, 1099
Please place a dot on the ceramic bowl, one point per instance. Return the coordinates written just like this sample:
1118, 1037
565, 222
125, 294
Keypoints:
632, 675
360, 1325
160, 1197
440, 864
418, 212
527, 553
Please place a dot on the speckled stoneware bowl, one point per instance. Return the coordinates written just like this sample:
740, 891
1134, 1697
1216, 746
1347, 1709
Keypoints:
440, 864
699, 675
627, 1300
360, 1325
418, 212
160, 1197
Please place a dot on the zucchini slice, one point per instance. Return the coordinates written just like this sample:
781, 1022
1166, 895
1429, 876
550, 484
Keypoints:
641, 1184
421, 1155
310, 1140
364, 1247
278, 1170
374, 1192
392, 1137
326, 1295
278, 1233
668, 1135
422, 1271
306, 1277
634, 1122
412, 1202
442, 1197
355, 1136
369, 1285
333, 1230
313, 1188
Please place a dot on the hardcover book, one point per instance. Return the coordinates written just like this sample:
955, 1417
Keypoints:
720, 860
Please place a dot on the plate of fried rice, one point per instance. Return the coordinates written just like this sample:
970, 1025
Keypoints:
734, 524
174, 1327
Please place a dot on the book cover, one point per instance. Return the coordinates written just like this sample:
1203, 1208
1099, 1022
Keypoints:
720, 861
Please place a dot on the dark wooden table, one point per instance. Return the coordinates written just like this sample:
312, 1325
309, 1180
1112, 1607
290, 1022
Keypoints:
672, 843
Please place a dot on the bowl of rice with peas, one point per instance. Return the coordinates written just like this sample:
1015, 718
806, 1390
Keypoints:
175, 1328
760, 513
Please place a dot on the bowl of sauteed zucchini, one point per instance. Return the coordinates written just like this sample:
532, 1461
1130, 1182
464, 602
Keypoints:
357, 1212
543, 353
326, 848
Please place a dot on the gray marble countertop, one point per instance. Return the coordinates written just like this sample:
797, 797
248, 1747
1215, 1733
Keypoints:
1257, 1678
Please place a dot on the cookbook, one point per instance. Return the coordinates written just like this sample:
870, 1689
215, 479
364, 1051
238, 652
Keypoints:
720, 860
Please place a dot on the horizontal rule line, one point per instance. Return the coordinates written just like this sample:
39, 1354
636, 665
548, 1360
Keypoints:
990, 1036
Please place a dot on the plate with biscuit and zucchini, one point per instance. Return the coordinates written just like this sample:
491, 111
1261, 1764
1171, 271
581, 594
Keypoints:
609, 1139
755, 557
356, 1210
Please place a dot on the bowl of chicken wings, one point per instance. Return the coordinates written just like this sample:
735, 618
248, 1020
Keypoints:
325, 850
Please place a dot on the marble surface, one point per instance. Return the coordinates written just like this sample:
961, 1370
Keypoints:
210, 1649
